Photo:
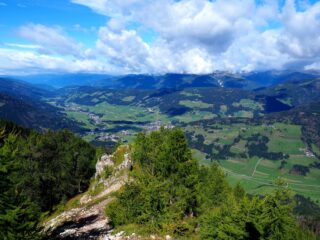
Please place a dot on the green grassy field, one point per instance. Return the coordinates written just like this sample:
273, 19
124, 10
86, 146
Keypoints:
195, 104
248, 103
82, 118
258, 175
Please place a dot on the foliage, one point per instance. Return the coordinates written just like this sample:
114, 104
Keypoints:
53, 166
165, 186
18, 215
169, 193
38, 171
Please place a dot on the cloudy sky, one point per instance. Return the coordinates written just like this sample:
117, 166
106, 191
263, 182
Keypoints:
158, 36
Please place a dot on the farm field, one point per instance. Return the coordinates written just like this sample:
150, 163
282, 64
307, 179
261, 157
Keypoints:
256, 173
217, 125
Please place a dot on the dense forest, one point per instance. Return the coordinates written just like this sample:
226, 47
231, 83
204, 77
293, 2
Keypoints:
170, 192
38, 171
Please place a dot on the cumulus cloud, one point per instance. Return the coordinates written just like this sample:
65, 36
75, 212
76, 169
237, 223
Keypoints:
191, 36
195, 36
124, 48
51, 39
300, 37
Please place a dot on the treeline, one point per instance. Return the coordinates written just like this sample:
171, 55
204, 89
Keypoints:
307, 116
38, 171
256, 146
170, 193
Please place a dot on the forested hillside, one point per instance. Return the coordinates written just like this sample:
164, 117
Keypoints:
250, 136
169, 193
38, 171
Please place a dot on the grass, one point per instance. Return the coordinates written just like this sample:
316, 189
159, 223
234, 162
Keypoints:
315, 149
63, 206
132, 228
243, 114
266, 174
200, 156
265, 184
195, 104
241, 166
194, 116
190, 93
118, 155
239, 147
82, 118
89, 138
282, 138
285, 145
300, 159
128, 98
97, 189
113, 112
223, 109
248, 103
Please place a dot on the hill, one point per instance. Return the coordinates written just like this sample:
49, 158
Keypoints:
24, 104
21, 89
34, 114
153, 189
133, 110
294, 92
255, 135
38, 171
219, 79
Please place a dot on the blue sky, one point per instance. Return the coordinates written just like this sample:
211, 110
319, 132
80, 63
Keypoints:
145, 36
58, 12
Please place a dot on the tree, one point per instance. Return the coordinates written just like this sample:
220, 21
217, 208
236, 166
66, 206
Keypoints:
277, 214
18, 215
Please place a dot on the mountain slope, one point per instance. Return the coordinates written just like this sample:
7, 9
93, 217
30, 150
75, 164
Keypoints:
219, 79
33, 114
21, 89
83, 216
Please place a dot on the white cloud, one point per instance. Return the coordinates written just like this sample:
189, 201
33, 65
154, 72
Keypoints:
223, 34
23, 46
26, 62
300, 36
191, 36
124, 48
313, 66
79, 28
114, 8
51, 39
255, 51
194, 35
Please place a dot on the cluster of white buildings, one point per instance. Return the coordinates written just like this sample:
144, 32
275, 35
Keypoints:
155, 126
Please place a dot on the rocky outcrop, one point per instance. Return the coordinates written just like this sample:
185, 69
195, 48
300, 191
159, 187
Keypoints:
104, 161
80, 223
87, 220
114, 182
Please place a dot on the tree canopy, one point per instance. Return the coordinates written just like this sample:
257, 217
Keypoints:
38, 171
170, 193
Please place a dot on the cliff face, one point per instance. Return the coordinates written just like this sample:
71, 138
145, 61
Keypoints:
83, 216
